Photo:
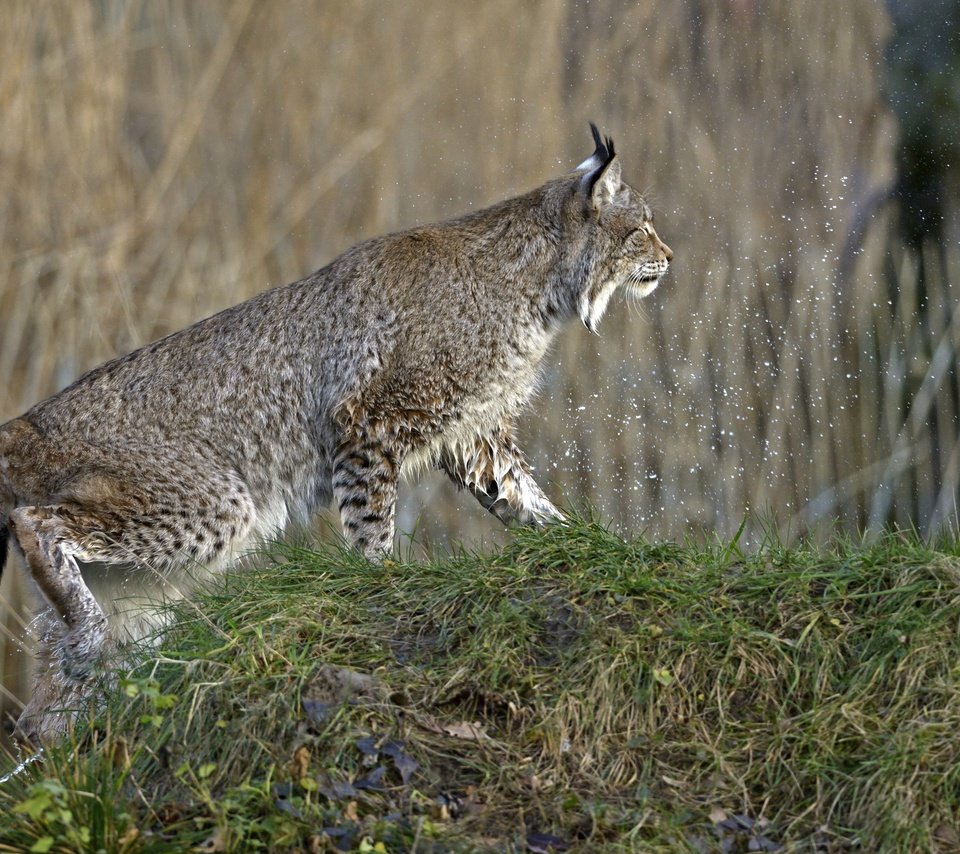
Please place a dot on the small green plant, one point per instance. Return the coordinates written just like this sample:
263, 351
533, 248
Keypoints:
77, 805
48, 807
154, 701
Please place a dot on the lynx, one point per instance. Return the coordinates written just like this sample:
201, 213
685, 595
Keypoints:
419, 347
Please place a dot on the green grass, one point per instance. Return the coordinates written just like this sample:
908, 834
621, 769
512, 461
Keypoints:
573, 687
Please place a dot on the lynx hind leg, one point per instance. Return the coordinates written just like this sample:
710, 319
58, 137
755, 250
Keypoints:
49, 542
54, 700
146, 517
366, 475
54, 704
495, 471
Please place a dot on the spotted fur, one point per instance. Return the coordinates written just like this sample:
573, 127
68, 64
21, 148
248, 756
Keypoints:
416, 347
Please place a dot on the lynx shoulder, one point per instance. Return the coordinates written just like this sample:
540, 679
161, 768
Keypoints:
419, 346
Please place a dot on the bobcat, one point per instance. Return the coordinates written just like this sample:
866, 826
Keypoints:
414, 348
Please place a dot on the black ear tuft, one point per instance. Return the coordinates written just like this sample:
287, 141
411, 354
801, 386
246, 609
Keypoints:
600, 153
596, 165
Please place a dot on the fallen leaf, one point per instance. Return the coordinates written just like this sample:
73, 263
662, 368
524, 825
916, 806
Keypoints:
467, 731
405, 765
717, 815
544, 843
342, 838
338, 791
282, 793
371, 780
391, 747
350, 813
300, 766
662, 675
282, 790
368, 746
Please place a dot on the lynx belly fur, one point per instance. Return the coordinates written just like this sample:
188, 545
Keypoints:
420, 346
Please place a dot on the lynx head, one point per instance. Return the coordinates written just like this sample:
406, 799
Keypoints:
613, 235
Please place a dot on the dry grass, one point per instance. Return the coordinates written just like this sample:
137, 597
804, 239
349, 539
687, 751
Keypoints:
162, 161
168, 160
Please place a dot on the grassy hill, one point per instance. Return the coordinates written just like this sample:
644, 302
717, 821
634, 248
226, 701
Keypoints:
572, 691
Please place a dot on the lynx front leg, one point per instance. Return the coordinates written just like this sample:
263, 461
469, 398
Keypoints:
495, 471
365, 479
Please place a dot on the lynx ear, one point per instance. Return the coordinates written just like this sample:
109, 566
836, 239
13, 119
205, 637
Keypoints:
604, 183
601, 180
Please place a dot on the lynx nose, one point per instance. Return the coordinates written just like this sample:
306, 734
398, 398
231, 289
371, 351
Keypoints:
666, 250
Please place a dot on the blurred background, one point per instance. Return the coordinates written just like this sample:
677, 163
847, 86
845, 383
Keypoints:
160, 161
